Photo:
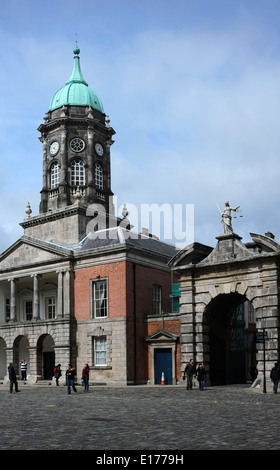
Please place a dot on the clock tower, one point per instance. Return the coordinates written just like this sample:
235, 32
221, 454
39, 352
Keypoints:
76, 137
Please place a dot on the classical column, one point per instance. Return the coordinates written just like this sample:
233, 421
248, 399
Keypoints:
63, 169
66, 293
59, 293
13, 299
45, 160
90, 159
35, 297
34, 373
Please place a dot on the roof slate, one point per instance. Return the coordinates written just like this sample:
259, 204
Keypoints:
119, 236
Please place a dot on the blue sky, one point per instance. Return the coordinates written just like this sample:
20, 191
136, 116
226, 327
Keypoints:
192, 89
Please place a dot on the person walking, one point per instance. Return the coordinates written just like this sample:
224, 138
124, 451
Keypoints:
23, 369
253, 372
13, 378
57, 373
189, 372
201, 376
70, 379
275, 376
85, 377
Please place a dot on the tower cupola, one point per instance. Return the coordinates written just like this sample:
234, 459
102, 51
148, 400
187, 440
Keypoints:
76, 91
77, 138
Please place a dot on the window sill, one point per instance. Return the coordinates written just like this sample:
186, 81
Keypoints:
101, 368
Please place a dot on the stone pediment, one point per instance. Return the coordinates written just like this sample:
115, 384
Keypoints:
228, 248
28, 251
265, 242
191, 254
162, 335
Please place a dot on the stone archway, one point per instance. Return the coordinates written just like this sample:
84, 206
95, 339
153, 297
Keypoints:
3, 359
21, 351
45, 356
226, 328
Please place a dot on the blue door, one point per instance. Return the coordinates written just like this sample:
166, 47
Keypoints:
163, 363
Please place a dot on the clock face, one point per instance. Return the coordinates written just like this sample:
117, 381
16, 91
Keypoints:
54, 148
99, 149
77, 144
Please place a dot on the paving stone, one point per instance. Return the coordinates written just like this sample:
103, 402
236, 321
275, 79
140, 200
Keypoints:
141, 418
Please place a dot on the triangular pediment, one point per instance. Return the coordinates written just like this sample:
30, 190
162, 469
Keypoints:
161, 335
28, 251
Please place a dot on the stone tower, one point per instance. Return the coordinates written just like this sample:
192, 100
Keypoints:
76, 137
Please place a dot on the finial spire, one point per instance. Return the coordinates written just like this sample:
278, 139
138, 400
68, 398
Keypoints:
76, 49
28, 211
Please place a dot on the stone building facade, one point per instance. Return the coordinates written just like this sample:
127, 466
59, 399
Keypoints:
80, 286
229, 294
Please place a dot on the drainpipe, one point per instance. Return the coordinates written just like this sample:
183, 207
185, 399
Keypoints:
134, 321
193, 317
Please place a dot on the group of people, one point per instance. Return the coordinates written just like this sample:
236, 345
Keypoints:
70, 377
191, 371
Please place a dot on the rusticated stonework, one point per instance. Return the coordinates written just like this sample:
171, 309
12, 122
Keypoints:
214, 283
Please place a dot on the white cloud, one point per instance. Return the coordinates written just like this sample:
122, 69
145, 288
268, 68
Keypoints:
195, 107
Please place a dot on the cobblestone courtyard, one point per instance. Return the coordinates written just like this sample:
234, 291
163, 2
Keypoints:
139, 418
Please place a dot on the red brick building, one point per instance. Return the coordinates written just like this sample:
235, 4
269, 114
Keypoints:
80, 286
137, 318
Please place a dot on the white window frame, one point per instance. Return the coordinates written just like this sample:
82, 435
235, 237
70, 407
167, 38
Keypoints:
77, 175
98, 175
28, 303
156, 299
52, 305
55, 175
99, 297
100, 351
7, 309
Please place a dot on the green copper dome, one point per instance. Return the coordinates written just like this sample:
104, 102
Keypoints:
76, 91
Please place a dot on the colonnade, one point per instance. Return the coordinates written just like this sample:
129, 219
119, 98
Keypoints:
63, 298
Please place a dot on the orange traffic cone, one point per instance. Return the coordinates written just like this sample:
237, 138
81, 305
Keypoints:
162, 379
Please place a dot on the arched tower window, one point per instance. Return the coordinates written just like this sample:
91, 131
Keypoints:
98, 176
55, 175
77, 173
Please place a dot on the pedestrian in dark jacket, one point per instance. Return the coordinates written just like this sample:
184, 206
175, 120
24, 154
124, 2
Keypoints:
13, 378
189, 372
201, 376
57, 373
253, 373
70, 379
85, 377
275, 376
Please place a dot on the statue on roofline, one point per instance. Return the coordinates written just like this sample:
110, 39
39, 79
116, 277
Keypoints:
226, 217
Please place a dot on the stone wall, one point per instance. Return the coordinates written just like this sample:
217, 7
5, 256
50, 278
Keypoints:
231, 273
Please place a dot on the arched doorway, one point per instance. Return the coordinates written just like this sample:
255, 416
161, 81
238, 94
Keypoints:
21, 351
45, 357
3, 359
226, 333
